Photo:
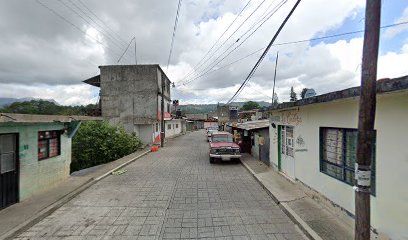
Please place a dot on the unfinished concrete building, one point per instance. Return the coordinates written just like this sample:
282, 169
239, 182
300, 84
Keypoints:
130, 95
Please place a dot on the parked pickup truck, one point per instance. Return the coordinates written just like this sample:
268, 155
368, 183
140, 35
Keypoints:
223, 147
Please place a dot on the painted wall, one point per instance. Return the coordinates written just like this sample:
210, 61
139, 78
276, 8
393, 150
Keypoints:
37, 176
177, 127
210, 124
390, 205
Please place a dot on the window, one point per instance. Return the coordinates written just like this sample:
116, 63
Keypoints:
176, 125
168, 126
157, 127
338, 154
222, 138
49, 144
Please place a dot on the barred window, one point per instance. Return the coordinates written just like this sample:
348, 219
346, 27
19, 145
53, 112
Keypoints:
168, 126
49, 144
338, 154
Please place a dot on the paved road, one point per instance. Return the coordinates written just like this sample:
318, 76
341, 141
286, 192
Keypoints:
171, 194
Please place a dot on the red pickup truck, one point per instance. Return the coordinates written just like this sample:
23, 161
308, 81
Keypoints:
223, 147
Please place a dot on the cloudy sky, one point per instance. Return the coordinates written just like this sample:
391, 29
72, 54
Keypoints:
48, 47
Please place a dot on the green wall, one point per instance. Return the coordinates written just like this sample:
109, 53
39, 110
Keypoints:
37, 176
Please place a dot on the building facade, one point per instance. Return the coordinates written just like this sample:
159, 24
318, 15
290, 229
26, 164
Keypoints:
131, 96
314, 141
35, 153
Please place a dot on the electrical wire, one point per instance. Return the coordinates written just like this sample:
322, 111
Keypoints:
252, 72
100, 20
123, 43
215, 62
96, 28
174, 33
292, 42
226, 40
73, 25
219, 38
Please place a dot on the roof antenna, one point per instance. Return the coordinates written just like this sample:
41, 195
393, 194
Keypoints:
134, 38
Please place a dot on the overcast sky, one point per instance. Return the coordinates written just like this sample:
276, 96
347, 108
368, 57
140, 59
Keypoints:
48, 47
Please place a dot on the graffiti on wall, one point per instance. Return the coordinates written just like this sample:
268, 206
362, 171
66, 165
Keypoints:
301, 144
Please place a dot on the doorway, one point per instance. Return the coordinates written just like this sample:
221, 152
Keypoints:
286, 157
8, 170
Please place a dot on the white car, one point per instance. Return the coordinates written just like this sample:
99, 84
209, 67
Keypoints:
209, 133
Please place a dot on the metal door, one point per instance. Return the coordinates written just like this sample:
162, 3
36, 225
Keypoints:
8, 170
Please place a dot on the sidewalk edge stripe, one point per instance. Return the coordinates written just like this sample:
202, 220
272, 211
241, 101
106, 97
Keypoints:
60, 202
286, 208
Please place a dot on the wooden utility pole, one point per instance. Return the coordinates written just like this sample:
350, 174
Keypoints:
366, 119
163, 81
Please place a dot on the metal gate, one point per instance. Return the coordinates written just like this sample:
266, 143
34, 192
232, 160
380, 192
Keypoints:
8, 170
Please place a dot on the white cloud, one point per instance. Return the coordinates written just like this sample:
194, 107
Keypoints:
43, 56
392, 32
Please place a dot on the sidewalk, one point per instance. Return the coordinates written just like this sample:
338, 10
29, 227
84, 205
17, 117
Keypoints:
314, 218
22, 215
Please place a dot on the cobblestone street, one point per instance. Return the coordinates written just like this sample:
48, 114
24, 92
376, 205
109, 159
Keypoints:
171, 194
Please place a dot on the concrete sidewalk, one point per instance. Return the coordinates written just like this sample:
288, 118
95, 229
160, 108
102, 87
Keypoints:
23, 215
315, 219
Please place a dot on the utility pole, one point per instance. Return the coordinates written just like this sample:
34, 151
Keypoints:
163, 82
366, 119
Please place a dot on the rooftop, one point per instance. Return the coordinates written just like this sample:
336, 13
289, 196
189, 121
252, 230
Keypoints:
96, 80
385, 85
30, 118
250, 125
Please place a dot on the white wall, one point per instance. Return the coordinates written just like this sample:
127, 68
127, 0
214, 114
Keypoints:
390, 205
176, 127
210, 124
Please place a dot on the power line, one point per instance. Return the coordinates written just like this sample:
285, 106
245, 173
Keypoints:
251, 73
101, 27
292, 42
226, 40
73, 25
174, 33
219, 38
100, 20
107, 35
215, 62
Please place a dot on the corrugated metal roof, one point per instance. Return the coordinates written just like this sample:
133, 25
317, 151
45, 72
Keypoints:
253, 124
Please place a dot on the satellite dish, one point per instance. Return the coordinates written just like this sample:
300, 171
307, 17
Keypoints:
310, 92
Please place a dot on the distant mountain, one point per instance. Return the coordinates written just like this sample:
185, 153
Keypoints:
7, 101
209, 108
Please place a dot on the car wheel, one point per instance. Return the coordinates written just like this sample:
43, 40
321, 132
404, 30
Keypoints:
211, 160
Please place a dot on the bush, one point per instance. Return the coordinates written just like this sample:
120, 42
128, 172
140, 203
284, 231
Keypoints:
97, 142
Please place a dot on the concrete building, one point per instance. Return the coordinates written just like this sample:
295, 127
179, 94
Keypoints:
314, 142
35, 153
131, 96
175, 127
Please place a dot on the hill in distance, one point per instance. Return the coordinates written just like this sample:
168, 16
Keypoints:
209, 108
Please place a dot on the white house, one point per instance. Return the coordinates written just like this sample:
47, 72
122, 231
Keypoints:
314, 141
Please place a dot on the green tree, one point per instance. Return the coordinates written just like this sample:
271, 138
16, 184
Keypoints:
293, 95
250, 105
47, 108
303, 92
97, 142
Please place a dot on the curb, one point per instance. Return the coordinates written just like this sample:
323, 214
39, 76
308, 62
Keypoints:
306, 229
60, 202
